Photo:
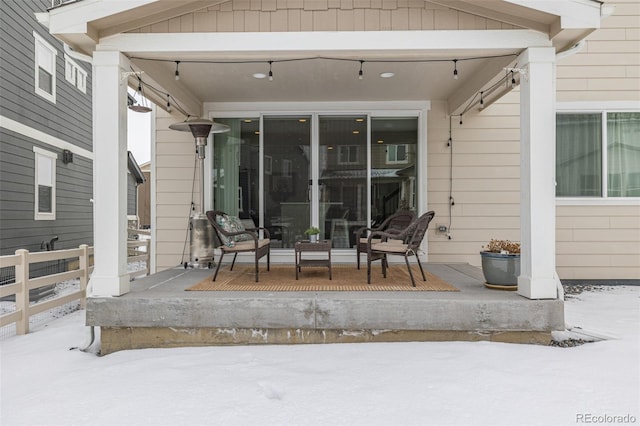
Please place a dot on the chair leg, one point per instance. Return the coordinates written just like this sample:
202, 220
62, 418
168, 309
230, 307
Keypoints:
234, 261
257, 266
368, 270
269, 258
385, 265
358, 254
218, 267
424, 278
406, 259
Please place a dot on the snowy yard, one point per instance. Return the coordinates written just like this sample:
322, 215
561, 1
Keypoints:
439, 383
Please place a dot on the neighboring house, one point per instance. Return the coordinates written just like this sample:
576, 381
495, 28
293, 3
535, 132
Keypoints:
135, 178
462, 95
144, 197
46, 140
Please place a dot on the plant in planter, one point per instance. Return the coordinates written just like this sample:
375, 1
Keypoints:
501, 264
312, 233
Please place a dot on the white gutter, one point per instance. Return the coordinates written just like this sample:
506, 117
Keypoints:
76, 55
576, 48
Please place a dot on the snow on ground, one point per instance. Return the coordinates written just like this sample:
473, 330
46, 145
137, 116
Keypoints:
436, 383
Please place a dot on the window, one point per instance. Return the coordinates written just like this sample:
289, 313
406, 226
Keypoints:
348, 154
74, 74
397, 154
45, 184
598, 154
45, 69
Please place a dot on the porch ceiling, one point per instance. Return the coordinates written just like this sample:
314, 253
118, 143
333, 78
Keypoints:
99, 24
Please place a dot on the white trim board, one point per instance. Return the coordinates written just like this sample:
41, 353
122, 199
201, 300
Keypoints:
43, 137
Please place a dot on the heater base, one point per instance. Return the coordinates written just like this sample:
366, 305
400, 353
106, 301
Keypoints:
202, 242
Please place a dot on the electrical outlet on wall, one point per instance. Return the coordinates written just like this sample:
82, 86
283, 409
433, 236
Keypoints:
442, 228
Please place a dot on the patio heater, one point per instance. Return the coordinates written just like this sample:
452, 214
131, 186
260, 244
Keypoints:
201, 233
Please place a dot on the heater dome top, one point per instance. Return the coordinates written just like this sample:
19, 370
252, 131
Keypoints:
199, 127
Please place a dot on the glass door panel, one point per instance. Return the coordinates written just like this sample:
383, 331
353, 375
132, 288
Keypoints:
394, 148
287, 173
235, 175
342, 176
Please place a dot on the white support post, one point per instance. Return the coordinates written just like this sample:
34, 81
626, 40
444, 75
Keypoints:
110, 277
537, 278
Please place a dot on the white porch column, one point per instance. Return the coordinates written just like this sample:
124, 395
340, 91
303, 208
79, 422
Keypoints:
537, 174
110, 277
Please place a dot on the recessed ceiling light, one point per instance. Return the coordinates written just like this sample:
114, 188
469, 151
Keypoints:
259, 75
360, 120
248, 120
329, 147
380, 141
302, 120
355, 132
387, 74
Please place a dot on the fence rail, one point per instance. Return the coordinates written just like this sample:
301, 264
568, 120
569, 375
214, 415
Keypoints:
22, 260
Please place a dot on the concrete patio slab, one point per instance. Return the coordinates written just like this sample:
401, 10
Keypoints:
158, 312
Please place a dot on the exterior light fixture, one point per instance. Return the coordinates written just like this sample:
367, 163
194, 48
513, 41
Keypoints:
140, 104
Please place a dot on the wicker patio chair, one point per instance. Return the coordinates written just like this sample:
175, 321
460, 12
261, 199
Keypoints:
394, 223
243, 241
405, 243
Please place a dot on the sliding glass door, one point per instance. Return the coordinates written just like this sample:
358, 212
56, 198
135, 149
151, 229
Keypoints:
339, 172
286, 175
342, 177
394, 149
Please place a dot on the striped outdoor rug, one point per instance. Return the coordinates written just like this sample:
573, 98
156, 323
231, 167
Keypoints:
345, 278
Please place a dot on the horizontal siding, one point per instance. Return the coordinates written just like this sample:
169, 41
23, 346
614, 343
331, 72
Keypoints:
607, 67
600, 241
174, 160
309, 15
74, 210
70, 118
485, 180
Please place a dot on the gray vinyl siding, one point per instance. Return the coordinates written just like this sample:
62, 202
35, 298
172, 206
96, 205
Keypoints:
74, 210
68, 119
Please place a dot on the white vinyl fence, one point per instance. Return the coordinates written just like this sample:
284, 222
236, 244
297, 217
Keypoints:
24, 308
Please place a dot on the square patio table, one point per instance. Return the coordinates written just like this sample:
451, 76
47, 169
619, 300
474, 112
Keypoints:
315, 247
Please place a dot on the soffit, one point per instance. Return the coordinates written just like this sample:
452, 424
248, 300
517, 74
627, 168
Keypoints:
315, 79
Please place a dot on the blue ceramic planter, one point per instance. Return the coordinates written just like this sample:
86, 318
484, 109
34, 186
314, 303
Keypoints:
500, 269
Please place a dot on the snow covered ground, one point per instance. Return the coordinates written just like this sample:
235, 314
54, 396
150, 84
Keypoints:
43, 382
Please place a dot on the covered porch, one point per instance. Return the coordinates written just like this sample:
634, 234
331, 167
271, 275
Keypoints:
202, 58
159, 312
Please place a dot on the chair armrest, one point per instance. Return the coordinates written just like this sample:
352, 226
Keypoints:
383, 235
361, 231
267, 234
